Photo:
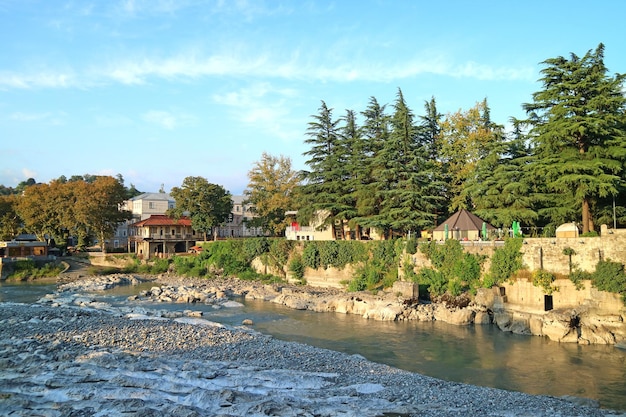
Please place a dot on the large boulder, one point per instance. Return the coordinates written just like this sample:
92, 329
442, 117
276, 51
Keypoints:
457, 316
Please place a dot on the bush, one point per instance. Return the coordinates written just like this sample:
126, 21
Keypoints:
311, 255
577, 277
609, 276
296, 267
434, 280
506, 261
411, 246
544, 279
24, 269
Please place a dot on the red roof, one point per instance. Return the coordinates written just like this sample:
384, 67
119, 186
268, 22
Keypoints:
163, 220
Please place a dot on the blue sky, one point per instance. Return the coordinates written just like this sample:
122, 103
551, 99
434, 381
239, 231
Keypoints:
158, 90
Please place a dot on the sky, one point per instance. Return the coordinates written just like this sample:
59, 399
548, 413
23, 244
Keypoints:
160, 90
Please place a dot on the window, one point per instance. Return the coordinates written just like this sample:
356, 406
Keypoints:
151, 205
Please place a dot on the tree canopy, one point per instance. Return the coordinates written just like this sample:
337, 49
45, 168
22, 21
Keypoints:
578, 130
208, 205
272, 184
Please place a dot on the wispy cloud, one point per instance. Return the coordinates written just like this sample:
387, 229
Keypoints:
11, 80
192, 65
54, 118
167, 119
264, 107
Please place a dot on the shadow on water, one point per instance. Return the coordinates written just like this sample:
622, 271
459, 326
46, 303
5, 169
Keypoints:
478, 355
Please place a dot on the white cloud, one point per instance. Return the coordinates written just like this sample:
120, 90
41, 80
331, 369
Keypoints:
193, 64
168, 120
264, 107
39, 80
56, 118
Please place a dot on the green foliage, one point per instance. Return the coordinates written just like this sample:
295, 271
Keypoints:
411, 246
454, 270
26, 269
378, 269
577, 276
279, 252
368, 276
208, 204
337, 254
409, 270
609, 276
296, 267
544, 279
311, 255
434, 280
226, 255
506, 261
385, 252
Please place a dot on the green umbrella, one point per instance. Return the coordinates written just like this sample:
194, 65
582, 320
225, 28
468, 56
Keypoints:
445, 231
484, 231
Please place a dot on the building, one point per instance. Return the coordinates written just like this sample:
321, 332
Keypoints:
141, 207
160, 235
463, 225
23, 246
237, 224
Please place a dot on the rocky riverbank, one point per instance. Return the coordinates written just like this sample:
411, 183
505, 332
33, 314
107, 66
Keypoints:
64, 359
583, 325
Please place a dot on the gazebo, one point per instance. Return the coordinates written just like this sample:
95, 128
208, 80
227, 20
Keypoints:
463, 225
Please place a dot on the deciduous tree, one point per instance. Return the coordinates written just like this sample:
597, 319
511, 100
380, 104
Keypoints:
207, 204
271, 187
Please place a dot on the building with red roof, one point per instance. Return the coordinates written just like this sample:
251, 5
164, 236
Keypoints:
161, 235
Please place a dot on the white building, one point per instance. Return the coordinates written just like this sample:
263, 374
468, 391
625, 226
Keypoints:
142, 207
237, 224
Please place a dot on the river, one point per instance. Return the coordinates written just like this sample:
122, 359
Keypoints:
479, 355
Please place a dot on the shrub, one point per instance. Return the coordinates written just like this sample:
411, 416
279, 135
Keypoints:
409, 270
434, 280
24, 269
311, 255
506, 261
411, 246
296, 267
577, 276
609, 276
544, 279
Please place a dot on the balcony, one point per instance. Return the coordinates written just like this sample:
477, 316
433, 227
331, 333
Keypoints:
165, 237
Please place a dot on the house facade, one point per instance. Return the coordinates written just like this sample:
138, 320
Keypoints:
161, 236
141, 207
23, 246
238, 220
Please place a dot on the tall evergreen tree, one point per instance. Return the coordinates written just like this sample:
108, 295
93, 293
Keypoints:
374, 133
578, 130
400, 176
502, 190
325, 185
429, 132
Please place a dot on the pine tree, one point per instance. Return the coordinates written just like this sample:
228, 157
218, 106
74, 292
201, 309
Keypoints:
400, 175
326, 185
368, 198
578, 130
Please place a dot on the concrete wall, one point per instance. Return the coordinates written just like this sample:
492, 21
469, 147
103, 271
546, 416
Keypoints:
522, 292
547, 253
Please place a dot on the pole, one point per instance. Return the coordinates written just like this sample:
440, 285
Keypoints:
614, 219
